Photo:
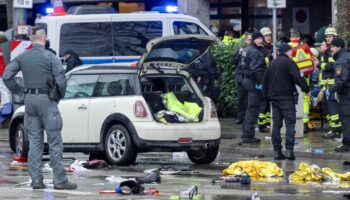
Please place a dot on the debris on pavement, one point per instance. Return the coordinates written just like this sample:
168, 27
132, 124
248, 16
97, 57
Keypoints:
20, 159
47, 168
115, 179
95, 164
76, 166
189, 193
346, 163
255, 196
254, 168
312, 173
152, 177
244, 179
15, 165
129, 187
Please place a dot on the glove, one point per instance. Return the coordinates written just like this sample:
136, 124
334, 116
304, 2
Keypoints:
327, 93
258, 86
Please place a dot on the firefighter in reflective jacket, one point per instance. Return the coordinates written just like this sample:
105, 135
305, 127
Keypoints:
302, 56
264, 119
326, 79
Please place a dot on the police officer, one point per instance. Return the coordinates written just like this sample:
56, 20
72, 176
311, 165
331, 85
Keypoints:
264, 119
241, 93
254, 67
38, 66
279, 87
326, 78
341, 88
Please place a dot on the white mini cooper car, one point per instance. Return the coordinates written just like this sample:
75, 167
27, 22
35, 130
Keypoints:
108, 110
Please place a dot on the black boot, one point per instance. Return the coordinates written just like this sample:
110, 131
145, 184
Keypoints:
279, 155
290, 154
251, 140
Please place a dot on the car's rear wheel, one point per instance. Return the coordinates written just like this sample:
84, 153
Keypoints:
119, 147
203, 156
21, 141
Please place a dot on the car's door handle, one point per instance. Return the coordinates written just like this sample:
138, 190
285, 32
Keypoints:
82, 107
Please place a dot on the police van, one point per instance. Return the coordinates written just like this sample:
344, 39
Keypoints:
113, 38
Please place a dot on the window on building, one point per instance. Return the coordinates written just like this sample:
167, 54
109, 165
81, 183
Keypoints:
183, 28
130, 38
87, 39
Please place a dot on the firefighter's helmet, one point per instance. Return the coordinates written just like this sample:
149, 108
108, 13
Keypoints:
331, 31
266, 31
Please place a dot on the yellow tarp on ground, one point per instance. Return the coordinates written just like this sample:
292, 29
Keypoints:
312, 173
254, 168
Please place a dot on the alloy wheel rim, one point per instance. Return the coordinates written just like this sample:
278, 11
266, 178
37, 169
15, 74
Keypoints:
116, 144
19, 142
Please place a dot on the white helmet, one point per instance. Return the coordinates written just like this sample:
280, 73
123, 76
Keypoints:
331, 31
266, 31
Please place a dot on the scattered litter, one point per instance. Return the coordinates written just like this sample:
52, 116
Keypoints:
76, 166
15, 165
346, 163
254, 168
313, 173
47, 168
153, 177
129, 187
95, 164
189, 193
319, 151
20, 159
296, 142
115, 179
255, 196
268, 138
338, 139
244, 179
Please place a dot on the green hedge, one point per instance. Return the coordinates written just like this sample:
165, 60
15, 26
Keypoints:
223, 55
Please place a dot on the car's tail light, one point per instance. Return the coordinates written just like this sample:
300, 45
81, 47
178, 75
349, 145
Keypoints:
213, 113
184, 140
139, 109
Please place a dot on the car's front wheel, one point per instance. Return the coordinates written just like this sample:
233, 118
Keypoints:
203, 156
119, 147
21, 141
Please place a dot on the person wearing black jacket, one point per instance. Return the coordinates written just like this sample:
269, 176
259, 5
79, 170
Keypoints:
254, 66
279, 88
238, 75
342, 89
72, 59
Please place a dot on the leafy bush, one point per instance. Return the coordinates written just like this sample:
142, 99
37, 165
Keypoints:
223, 55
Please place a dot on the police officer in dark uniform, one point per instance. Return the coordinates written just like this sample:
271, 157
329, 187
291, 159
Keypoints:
238, 75
279, 88
341, 88
38, 66
254, 66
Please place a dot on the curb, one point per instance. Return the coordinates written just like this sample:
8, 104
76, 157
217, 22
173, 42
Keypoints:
263, 152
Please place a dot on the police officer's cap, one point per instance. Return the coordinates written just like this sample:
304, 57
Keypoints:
338, 42
68, 51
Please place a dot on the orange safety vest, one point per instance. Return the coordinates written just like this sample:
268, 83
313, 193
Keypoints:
302, 55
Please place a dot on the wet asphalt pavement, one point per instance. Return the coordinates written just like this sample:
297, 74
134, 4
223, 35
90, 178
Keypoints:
90, 183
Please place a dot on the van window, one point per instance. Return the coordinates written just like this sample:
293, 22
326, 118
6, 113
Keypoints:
130, 38
87, 39
184, 28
